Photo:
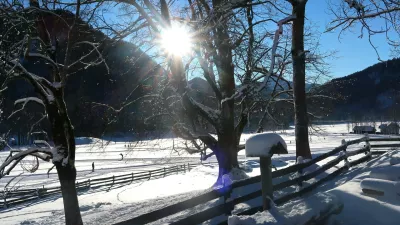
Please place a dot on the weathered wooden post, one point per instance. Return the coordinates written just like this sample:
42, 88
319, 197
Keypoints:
368, 145
264, 146
344, 153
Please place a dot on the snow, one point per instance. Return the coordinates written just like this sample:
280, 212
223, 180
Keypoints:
237, 174
298, 211
25, 100
364, 208
387, 187
394, 160
112, 204
391, 173
260, 145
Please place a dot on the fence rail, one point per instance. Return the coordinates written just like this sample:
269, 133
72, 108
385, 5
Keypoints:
14, 197
227, 206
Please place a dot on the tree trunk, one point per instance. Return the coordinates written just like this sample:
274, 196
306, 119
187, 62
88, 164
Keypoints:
67, 177
64, 140
226, 154
299, 85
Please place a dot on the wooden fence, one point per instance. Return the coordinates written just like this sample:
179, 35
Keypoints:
14, 197
226, 206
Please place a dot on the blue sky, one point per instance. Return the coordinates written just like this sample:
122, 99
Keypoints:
354, 54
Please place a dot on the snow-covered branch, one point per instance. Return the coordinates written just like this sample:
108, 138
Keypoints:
278, 32
25, 101
44, 57
92, 63
211, 115
22, 154
42, 85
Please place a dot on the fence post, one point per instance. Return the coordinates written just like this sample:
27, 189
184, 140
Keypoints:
89, 182
132, 176
300, 172
149, 175
113, 179
188, 167
5, 198
184, 168
164, 172
368, 145
37, 192
344, 152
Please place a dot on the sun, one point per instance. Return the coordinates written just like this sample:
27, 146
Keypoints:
176, 40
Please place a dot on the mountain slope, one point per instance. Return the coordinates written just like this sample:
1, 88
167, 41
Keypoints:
86, 86
372, 92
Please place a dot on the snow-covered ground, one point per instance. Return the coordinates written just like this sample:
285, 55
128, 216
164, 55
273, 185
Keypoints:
118, 203
370, 209
152, 154
358, 206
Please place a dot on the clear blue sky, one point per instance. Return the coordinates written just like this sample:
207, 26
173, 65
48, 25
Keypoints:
354, 54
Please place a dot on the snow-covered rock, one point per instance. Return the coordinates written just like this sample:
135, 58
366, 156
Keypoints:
387, 187
294, 212
261, 144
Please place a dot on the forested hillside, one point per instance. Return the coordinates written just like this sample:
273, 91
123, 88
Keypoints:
126, 79
368, 94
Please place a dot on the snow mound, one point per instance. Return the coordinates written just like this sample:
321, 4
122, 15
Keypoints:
386, 173
389, 188
261, 144
394, 160
228, 179
237, 174
294, 212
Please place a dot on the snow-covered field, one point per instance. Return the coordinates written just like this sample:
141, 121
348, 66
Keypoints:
110, 205
152, 154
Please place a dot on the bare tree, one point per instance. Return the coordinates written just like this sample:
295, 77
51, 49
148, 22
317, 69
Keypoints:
246, 65
40, 35
355, 14
229, 47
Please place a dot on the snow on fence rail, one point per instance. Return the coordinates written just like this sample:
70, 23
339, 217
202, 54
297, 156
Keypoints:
15, 197
228, 203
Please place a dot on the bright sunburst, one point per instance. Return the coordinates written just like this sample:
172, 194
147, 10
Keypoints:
176, 40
